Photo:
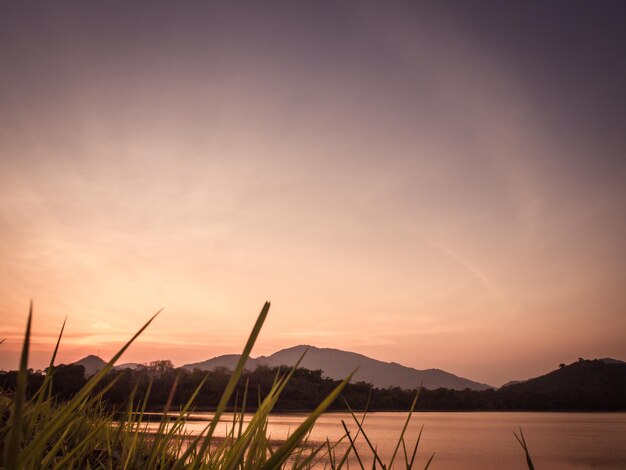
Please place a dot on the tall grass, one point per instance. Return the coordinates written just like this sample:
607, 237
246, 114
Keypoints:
81, 433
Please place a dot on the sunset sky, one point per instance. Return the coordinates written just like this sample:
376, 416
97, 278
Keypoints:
440, 186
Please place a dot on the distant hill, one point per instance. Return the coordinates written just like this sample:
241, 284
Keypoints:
586, 384
93, 364
228, 361
606, 360
512, 382
129, 365
337, 364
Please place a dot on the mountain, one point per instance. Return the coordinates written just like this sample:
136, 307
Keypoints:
606, 360
337, 364
91, 363
129, 365
512, 382
585, 384
229, 361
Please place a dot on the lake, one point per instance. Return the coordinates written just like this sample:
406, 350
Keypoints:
475, 440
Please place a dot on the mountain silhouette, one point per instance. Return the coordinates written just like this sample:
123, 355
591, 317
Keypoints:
337, 364
598, 384
93, 364
556, 378
582, 377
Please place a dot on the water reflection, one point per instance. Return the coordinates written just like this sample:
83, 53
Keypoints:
472, 440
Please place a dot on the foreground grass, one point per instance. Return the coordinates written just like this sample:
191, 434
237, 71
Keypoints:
39, 433
81, 433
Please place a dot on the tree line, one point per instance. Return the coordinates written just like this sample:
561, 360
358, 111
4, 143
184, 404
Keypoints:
307, 388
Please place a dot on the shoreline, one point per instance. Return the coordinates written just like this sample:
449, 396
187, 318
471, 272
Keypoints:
174, 414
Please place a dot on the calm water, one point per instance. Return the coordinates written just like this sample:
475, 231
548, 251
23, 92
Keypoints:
479, 440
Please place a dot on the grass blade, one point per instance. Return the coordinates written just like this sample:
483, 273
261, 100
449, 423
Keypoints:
12, 449
406, 423
522, 442
292, 442
230, 387
352, 445
417, 443
234, 378
60, 419
429, 461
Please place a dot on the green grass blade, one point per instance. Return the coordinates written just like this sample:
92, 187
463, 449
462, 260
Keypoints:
46, 387
406, 423
417, 443
68, 409
12, 447
405, 455
281, 455
230, 387
234, 378
56, 347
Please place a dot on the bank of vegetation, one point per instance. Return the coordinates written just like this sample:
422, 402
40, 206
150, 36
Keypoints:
585, 385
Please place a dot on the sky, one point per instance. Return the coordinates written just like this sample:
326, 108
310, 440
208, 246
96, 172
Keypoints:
440, 184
